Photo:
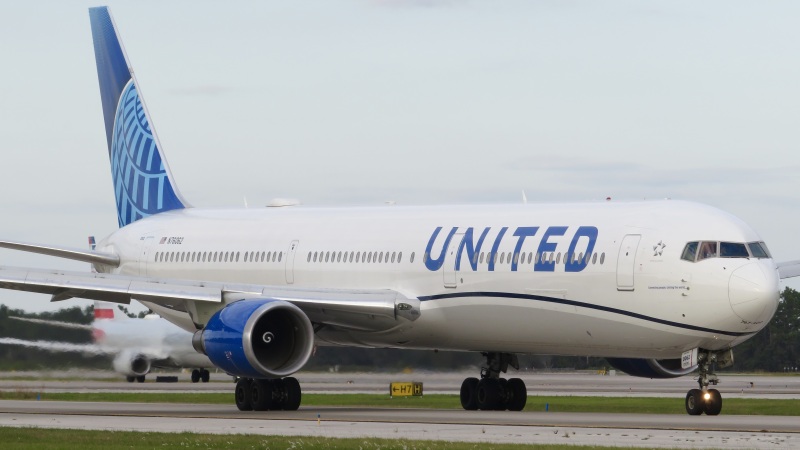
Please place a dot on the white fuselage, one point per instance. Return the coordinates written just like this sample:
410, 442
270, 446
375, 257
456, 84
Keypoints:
629, 297
153, 338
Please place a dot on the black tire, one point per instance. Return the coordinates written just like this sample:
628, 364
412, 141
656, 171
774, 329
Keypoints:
242, 395
488, 394
469, 394
293, 394
195, 376
503, 395
140, 378
694, 402
713, 405
518, 394
204, 375
261, 395
130, 378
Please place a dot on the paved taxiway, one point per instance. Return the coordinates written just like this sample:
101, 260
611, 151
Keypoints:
724, 431
579, 384
450, 425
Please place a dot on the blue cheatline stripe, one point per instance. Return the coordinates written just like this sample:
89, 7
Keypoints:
578, 304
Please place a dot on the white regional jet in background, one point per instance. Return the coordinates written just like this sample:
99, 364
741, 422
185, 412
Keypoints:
662, 288
137, 345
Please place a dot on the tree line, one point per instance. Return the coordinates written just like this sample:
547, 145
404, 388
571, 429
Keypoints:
776, 348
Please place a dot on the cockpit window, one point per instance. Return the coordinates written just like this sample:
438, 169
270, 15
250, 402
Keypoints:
733, 250
707, 250
690, 251
758, 250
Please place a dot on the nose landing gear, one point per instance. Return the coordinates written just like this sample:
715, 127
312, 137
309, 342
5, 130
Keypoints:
492, 392
705, 400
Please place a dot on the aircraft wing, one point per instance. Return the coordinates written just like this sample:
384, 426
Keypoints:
357, 309
789, 269
60, 346
55, 323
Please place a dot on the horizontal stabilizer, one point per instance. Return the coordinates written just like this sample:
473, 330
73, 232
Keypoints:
92, 257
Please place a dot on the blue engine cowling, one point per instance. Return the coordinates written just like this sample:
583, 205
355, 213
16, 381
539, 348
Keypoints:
650, 368
259, 338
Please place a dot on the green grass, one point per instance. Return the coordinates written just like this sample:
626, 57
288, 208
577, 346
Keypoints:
629, 405
39, 438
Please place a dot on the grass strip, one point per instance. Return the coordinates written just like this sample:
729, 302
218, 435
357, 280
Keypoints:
55, 439
627, 405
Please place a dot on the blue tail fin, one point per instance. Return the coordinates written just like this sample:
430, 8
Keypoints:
143, 184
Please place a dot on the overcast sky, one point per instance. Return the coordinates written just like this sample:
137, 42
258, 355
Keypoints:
418, 102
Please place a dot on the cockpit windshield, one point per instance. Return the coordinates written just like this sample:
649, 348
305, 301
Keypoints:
699, 250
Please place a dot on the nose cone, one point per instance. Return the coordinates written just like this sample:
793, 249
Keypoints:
753, 292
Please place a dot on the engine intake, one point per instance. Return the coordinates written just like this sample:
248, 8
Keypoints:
131, 364
257, 338
650, 368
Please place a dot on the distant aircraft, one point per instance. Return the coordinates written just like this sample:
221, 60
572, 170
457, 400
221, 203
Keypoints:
137, 345
260, 287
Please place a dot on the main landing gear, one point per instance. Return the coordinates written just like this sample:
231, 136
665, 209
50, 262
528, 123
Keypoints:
492, 392
132, 378
200, 375
263, 394
705, 400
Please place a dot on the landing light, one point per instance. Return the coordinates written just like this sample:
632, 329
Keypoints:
706, 396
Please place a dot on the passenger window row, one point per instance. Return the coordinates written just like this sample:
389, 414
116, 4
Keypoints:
357, 257
531, 257
201, 257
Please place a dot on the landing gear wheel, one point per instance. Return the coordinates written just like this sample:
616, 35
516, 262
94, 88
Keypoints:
502, 395
469, 394
694, 402
242, 395
714, 403
130, 378
140, 378
261, 394
518, 394
195, 376
293, 394
488, 394
204, 375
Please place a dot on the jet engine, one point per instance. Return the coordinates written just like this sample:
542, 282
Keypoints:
131, 364
257, 338
650, 368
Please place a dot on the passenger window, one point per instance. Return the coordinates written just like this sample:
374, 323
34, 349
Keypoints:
280, 256
380, 257
733, 250
758, 250
594, 258
358, 257
237, 256
558, 258
602, 257
399, 257
707, 250
412, 257
394, 255
481, 260
369, 257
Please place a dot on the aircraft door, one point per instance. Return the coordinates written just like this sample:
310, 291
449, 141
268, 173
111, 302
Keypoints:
144, 255
449, 267
290, 254
626, 262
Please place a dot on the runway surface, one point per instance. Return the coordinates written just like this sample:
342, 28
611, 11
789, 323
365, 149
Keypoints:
674, 431
451, 425
579, 384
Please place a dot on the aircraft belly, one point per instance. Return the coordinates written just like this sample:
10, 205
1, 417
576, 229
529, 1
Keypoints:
510, 325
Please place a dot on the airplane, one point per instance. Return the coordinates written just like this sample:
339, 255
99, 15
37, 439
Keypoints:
137, 345
663, 288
